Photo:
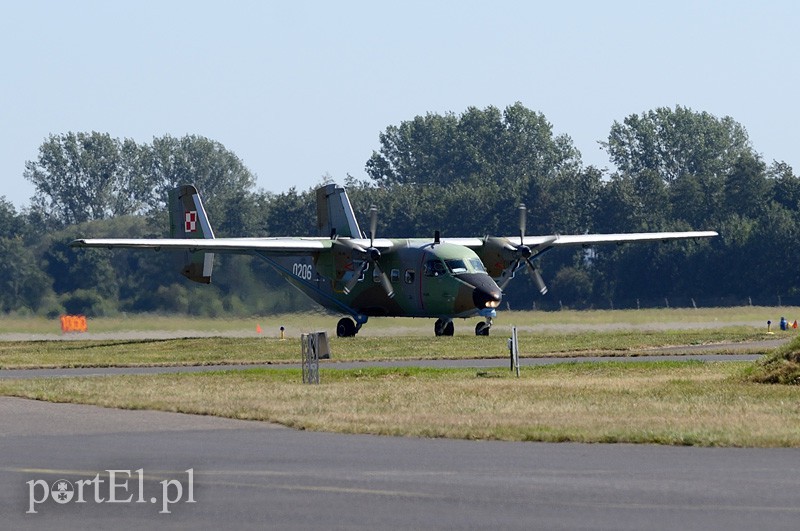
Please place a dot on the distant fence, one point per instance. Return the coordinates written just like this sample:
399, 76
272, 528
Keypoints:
73, 323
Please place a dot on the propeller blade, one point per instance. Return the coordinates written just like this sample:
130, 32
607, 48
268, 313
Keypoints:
523, 214
507, 275
358, 249
373, 223
354, 280
387, 285
537, 278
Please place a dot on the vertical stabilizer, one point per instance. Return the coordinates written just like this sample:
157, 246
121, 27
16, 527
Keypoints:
187, 219
335, 214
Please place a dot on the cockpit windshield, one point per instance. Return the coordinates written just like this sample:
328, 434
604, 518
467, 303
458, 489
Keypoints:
456, 266
477, 265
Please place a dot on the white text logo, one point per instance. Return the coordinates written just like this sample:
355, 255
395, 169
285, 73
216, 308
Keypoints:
116, 486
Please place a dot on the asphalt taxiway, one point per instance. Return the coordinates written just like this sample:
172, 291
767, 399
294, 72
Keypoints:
258, 475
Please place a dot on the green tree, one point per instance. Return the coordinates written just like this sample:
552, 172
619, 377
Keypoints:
291, 213
786, 186
133, 186
221, 177
633, 203
74, 177
572, 201
691, 201
479, 146
12, 224
23, 285
747, 189
676, 143
572, 286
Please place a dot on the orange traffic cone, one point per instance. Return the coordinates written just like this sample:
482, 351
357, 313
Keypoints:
258, 329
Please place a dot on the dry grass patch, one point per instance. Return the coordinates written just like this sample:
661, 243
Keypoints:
691, 403
231, 350
780, 367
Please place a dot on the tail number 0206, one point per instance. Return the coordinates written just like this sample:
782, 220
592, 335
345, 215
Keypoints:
304, 271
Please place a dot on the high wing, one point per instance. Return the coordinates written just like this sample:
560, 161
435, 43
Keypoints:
222, 245
504, 255
540, 243
592, 239
231, 245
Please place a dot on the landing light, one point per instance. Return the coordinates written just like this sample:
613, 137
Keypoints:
492, 304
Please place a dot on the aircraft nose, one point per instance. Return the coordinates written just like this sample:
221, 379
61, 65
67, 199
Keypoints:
485, 293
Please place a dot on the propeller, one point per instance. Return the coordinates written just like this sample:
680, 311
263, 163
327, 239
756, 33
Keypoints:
523, 252
369, 256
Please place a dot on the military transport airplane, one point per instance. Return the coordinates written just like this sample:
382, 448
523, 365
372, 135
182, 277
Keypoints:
360, 275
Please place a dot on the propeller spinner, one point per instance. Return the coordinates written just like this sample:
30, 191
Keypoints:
523, 252
369, 256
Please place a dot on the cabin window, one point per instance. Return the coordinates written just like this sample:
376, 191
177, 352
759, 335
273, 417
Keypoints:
409, 276
395, 275
434, 268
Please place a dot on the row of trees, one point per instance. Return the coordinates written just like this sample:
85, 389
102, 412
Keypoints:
676, 169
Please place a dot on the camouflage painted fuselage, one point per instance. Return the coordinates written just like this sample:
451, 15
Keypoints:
429, 280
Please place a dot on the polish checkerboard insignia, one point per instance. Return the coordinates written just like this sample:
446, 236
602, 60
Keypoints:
190, 221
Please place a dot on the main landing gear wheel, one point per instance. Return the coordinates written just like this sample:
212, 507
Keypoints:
443, 327
346, 327
482, 329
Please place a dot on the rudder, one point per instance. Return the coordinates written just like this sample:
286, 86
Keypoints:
188, 219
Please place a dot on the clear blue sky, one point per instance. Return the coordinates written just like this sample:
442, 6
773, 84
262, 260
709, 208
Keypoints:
302, 89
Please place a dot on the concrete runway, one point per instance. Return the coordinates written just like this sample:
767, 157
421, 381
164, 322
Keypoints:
257, 475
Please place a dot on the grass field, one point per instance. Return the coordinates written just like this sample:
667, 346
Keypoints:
249, 350
295, 324
679, 403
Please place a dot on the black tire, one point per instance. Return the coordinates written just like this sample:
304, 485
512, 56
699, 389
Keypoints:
449, 329
443, 327
346, 327
482, 329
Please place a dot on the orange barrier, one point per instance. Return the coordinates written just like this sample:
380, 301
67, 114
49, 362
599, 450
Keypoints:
73, 323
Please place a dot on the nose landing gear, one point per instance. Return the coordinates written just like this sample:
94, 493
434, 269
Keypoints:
482, 329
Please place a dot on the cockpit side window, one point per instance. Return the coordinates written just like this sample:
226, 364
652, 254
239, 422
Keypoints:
434, 268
